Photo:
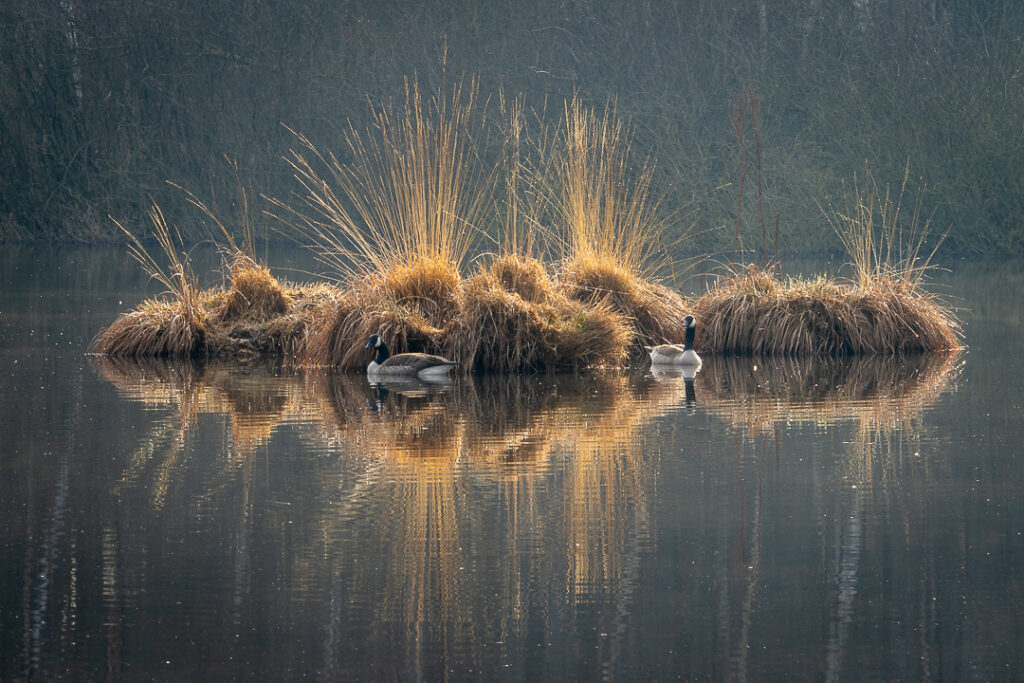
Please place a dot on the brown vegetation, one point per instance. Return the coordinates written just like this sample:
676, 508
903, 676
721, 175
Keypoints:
397, 221
256, 315
754, 311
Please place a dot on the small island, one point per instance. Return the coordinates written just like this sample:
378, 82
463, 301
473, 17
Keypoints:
571, 282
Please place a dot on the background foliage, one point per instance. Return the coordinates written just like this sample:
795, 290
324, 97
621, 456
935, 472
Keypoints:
103, 102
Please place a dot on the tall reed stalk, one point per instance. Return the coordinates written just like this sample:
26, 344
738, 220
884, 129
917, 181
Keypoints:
602, 202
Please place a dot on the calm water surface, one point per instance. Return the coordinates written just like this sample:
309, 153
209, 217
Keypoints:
771, 519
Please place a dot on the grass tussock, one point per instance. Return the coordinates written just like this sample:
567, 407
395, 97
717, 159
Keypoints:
754, 311
398, 217
156, 328
524, 276
609, 226
508, 317
364, 308
411, 305
176, 322
413, 188
500, 329
654, 311
427, 287
255, 294
255, 316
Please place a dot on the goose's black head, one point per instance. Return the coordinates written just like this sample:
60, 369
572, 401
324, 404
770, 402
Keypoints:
377, 343
691, 330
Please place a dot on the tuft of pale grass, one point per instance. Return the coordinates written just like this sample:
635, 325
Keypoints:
608, 224
601, 202
432, 287
286, 334
370, 306
500, 330
254, 294
881, 240
753, 311
523, 275
414, 186
655, 311
155, 328
173, 324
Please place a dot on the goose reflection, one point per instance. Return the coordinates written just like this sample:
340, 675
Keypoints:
411, 387
668, 373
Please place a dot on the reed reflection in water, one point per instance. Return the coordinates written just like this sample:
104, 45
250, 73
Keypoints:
427, 527
561, 462
766, 399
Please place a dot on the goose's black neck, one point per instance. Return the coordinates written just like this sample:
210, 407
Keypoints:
382, 353
688, 343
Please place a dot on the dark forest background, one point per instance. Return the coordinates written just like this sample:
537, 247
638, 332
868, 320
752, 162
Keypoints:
103, 102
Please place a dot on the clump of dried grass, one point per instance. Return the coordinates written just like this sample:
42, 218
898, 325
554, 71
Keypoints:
254, 294
176, 323
655, 311
506, 318
608, 224
369, 306
414, 186
500, 330
754, 311
431, 287
882, 309
287, 334
523, 275
155, 328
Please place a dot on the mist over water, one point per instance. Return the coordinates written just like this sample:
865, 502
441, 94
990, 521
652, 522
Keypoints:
766, 519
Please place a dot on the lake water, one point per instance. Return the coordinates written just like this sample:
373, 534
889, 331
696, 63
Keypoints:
859, 519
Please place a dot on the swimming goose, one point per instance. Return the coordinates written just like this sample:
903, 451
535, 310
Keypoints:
421, 365
674, 354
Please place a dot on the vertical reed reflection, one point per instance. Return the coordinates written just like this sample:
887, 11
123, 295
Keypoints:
552, 471
884, 400
438, 521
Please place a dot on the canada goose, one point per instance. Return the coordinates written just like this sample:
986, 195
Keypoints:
674, 354
421, 365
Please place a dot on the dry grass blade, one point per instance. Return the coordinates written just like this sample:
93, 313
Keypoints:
602, 204
880, 240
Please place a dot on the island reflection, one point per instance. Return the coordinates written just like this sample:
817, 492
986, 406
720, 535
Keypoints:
391, 489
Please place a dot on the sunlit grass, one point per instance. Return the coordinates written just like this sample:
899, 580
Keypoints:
608, 225
756, 311
883, 239
397, 217
412, 188
176, 322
